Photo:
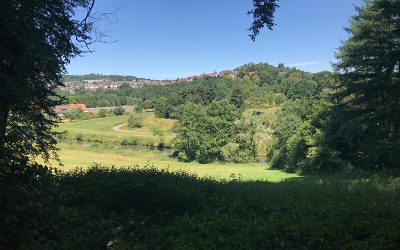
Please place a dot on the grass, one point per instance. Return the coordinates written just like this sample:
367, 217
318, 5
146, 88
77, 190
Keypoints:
75, 155
101, 129
108, 153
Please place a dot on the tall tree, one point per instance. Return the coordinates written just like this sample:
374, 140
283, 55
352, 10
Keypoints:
37, 39
368, 126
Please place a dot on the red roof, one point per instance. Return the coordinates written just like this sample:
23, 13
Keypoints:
78, 105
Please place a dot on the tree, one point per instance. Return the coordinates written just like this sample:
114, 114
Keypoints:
148, 104
135, 121
367, 126
102, 112
119, 110
204, 130
37, 39
162, 108
138, 108
263, 15
74, 114
251, 132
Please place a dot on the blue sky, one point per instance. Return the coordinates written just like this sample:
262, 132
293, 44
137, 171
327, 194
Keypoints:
161, 39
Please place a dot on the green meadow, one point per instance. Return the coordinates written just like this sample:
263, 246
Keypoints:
113, 129
100, 143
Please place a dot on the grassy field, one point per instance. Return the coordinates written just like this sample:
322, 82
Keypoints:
100, 144
75, 155
101, 129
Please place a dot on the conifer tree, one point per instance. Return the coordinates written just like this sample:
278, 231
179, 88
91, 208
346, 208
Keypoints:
367, 129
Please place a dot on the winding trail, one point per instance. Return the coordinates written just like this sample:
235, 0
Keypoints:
118, 128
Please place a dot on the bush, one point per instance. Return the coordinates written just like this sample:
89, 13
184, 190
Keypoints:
79, 137
183, 157
138, 108
233, 153
74, 114
130, 141
135, 121
119, 111
102, 112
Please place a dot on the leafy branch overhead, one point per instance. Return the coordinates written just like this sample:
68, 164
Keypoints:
263, 15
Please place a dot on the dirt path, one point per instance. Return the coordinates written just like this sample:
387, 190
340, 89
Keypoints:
118, 128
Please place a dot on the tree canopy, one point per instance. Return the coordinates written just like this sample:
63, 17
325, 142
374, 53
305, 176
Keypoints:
37, 39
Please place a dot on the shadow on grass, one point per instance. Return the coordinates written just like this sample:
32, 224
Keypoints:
154, 209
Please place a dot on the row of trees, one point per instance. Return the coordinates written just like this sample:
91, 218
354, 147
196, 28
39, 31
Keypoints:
357, 125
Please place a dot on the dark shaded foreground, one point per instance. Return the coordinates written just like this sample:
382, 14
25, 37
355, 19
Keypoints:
152, 209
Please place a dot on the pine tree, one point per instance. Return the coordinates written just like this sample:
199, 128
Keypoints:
367, 128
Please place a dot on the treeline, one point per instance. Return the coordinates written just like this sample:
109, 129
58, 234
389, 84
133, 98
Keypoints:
212, 124
93, 76
255, 84
357, 123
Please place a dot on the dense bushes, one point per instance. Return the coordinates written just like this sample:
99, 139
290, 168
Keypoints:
119, 111
77, 114
130, 208
29, 206
135, 121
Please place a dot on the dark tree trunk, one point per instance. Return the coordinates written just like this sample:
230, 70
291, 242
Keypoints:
4, 113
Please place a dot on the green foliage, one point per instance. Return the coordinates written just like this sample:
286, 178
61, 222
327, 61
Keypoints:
130, 141
41, 38
74, 114
119, 110
263, 15
233, 152
204, 130
366, 129
135, 121
148, 104
102, 207
163, 108
79, 137
29, 206
138, 108
102, 112
251, 132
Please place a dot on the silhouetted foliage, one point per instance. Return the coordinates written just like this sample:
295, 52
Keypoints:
37, 39
263, 15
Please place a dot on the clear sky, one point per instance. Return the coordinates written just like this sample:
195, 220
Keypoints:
162, 39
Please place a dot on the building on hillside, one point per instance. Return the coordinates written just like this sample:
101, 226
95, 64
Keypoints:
61, 109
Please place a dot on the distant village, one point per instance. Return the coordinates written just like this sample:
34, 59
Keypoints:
72, 85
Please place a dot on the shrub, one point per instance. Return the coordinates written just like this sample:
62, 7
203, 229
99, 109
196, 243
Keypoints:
135, 121
79, 137
130, 141
149, 143
233, 153
138, 108
183, 157
102, 112
74, 114
119, 111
